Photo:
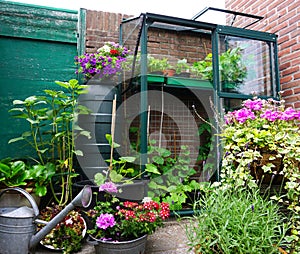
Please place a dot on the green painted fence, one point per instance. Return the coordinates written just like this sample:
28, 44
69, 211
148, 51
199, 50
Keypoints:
37, 47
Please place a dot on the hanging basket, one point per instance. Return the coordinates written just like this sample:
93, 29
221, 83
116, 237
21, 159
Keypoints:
274, 177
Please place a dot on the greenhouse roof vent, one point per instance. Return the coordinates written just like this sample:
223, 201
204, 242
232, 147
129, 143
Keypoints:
210, 12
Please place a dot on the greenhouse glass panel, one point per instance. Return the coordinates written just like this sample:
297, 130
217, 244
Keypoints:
246, 66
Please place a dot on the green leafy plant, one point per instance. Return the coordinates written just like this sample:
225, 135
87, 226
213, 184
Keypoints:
156, 64
40, 177
113, 220
205, 129
233, 71
182, 66
170, 176
52, 130
235, 221
121, 169
13, 173
261, 142
16, 173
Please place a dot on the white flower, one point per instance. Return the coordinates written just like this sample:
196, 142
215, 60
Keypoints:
105, 48
146, 199
69, 221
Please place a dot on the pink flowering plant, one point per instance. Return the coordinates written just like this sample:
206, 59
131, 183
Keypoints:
261, 141
114, 220
262, 135
106, 62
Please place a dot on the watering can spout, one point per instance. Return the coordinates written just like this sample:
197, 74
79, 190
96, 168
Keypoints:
83, 199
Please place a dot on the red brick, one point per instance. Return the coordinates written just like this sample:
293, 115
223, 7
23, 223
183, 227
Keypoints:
284, 52
297, 75
283, 39
288, 92
290, 57
285, 79
289, 43
290, 70
294, 5
284, 66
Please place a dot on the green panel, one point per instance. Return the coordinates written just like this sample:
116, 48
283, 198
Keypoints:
178, 81
29, 21
28, 69
187, 82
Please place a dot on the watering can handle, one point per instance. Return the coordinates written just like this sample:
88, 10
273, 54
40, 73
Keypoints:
27, 195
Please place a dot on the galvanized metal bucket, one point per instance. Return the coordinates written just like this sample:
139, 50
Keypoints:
136, 246
17, 225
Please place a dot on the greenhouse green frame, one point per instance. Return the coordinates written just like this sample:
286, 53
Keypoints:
167, 23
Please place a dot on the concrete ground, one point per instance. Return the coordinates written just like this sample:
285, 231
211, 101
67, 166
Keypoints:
170, 239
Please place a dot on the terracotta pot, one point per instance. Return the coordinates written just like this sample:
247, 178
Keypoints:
169, 72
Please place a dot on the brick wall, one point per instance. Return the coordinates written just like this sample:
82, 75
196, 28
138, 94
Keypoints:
283, 19
102, 27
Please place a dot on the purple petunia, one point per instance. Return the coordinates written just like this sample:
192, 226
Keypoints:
105, 62
254, 104
271, 115
105, 220
109, 187
243, 114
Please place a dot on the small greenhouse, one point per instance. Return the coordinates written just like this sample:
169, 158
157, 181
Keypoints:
214, 67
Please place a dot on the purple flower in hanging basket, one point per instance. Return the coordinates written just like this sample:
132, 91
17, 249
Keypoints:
106, 61
243, 114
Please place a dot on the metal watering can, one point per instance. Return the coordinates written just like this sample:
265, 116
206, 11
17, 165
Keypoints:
18, 225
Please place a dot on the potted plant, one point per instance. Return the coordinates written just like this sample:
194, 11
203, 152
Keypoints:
124, 172
168, 177
232, 69
68, 234
35, 179
261, 141
159, 66
235, 220
182, 68
105, 63
124, 226
52, 130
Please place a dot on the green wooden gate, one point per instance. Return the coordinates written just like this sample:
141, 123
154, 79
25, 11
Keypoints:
37, 47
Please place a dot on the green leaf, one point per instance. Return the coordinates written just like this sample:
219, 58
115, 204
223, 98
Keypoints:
158, 159
63, 84
99, 178
15, 140
152, 169
115, 177
127, 159
18, 102
78, 152
40, 190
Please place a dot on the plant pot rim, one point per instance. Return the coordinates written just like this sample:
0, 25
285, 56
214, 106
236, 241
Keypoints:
95, 241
